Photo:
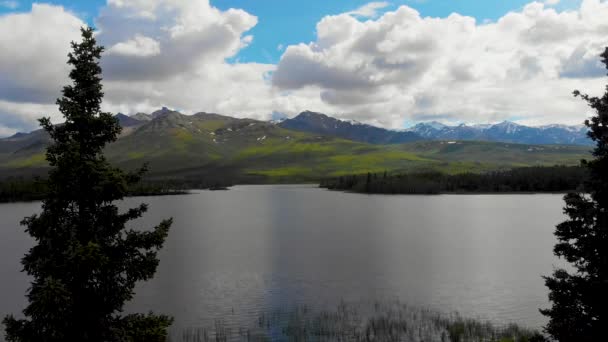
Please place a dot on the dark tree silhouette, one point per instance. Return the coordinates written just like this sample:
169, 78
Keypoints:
85, 263
526, 179
580, 299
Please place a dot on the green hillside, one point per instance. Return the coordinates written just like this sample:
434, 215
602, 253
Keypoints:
244, 150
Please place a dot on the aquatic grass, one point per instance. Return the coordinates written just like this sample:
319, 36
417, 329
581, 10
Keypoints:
377, 322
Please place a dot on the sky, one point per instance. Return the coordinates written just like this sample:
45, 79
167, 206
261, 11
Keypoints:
387, 63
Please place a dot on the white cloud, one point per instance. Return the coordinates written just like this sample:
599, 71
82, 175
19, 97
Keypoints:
583, 63
23, 117
191, 34
7, 131
34, 49
385, 70
33, 65
370, 10
139, 46
161, 52
402, 66
10, 4
188, 69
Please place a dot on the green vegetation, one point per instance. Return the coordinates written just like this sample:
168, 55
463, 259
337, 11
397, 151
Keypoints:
580, 304
85, 263
19, 189
492, 154
377, 322
292, 172
528, 179
210, 147
33, 160
237, 156
26, 189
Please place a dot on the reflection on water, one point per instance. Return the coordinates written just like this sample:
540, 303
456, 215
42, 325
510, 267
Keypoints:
254, 249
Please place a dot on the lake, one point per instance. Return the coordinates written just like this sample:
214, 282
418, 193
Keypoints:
256, 249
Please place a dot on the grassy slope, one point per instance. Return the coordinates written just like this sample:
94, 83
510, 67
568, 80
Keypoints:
206, 145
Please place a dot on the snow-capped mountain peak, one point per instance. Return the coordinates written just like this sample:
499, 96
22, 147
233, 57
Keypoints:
505, 131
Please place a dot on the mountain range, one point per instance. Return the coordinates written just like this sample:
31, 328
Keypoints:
305, 148
505, 131
319, 123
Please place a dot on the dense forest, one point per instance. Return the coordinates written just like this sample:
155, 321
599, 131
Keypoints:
526, 179
20, 189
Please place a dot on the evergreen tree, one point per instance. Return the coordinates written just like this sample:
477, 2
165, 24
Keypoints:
85, 263
580, 301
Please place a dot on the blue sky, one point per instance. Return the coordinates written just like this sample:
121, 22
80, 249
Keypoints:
406, 67
285, 22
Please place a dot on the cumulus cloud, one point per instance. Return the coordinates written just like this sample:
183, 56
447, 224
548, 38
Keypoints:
22, 117
177, 36
188, 44
33, 65
34, 49
159, 52
583, 63
139, 46
381, 69
405, 66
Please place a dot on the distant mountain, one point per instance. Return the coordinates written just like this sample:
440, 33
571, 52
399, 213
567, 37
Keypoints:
128, 121
160, 112
23, 142
505, 132
142, 117
208, 146
318, 123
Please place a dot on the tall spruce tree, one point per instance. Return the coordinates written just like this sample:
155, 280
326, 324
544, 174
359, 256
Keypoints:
85, 263
580, 298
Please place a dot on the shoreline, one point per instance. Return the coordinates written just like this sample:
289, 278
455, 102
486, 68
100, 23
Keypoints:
317, 186
456, 193
171, 193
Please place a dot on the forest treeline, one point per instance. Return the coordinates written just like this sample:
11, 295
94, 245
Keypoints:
525, 179
20, 189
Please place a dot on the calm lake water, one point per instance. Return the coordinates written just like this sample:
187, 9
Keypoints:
255, 249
